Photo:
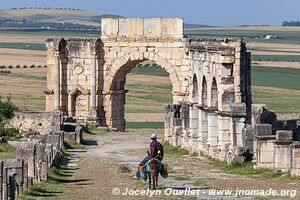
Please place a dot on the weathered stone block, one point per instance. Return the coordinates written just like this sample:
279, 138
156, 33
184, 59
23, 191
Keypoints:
262, 129
284, 135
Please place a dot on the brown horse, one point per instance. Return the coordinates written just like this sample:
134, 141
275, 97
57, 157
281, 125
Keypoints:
154, 168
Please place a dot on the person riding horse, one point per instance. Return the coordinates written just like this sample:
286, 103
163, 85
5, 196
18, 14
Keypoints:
152, 166
156, 150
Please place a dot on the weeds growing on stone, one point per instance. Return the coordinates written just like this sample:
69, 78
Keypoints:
174, 151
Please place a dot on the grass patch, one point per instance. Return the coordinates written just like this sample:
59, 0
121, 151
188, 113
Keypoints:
93, 130
201, 183
248, 170
241, 169
74, 146
174, 151
144, 125
195, 154
57, 174
181, 178
6, 151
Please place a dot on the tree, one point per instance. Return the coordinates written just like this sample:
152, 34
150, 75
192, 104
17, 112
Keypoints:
7, 109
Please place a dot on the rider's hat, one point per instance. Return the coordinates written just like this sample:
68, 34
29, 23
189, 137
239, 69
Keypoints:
153, 136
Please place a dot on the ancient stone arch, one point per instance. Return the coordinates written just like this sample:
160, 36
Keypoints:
122, 65
210, 80
100, 65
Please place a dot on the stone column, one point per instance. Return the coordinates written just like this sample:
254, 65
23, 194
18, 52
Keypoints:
93, 107
213, 133
203, 130
224, 141
70, 105
193, 128
57, 81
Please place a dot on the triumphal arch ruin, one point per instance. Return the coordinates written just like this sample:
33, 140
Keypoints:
86, 77
210, 80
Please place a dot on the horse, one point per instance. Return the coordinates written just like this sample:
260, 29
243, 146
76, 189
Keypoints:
154, 167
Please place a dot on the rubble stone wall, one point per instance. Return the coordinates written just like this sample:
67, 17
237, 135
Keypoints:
40, 123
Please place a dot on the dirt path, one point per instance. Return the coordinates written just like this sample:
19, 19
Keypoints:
111, 160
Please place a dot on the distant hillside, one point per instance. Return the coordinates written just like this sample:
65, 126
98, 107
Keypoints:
61, 15
59, 19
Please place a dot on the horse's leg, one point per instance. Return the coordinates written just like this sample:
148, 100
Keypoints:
149, 176
156, 179
153, 181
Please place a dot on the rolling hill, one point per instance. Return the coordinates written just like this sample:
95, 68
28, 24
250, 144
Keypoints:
55, 16
63, 15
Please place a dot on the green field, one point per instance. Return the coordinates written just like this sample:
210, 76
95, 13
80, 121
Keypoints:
24, 46
145, 125
280, 102
27, 76
149, 69
287, 58
285, 78
53, 34
281, 82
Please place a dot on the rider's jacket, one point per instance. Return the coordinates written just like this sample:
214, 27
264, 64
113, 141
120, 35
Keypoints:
155, 148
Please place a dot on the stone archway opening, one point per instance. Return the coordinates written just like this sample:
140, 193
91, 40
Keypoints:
213, 119
214, 94
203, 116
140, 89
195, 93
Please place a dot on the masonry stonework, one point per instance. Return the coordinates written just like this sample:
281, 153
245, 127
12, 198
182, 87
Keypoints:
86, 77
211, 112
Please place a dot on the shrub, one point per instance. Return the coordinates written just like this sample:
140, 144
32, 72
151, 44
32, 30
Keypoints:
39, 66
10, 66
45, 66
25, 66
5, 71
7, 109
32, 66
18, 66
11, 133
2, 67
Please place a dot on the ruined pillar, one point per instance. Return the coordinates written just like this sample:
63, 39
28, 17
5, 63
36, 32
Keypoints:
224, 141
114, 109
213, 132
193, 128
56, 81
168, 119
203, 130
283, 150
93, 106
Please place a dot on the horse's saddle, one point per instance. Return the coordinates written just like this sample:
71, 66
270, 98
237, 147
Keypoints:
147, 165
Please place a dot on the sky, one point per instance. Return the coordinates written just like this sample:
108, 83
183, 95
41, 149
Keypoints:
208, 12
